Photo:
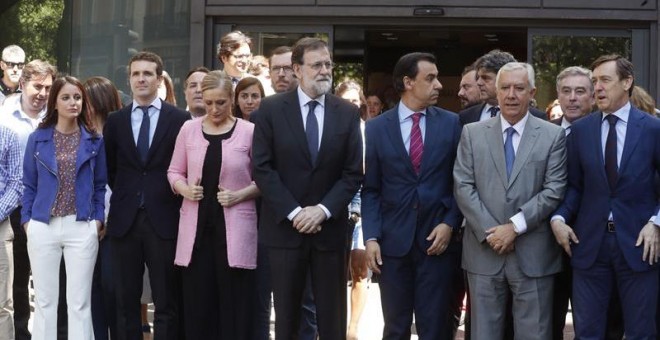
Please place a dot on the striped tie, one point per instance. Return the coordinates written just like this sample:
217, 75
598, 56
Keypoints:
416, 142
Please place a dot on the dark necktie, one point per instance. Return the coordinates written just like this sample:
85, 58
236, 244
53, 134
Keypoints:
611, 168
143, 136
509, 153
312, 131
493, 111
416, 142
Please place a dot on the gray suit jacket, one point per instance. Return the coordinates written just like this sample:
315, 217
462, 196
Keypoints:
488, 199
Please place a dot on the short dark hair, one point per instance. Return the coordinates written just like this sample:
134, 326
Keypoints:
407, 66
303, 45
494, 60
242, 85
230, 42
196, 69
468, 69
147, 56
624, 68
277, 51
84, 118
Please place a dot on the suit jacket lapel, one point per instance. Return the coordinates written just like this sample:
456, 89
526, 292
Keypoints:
161, 127
291, 112
329, 126
525, 147
128, 127
431, 143
633, 132
394, 134
596, 135
495, 140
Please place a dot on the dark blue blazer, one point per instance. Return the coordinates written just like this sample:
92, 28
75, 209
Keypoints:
127, 176
589, 200
398, 206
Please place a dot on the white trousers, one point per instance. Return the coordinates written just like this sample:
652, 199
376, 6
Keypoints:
6, 281
46, 243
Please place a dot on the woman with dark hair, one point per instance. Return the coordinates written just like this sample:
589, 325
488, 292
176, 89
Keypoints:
248, 95
235, 54
375, 104
103, 99
64, 175
217, 241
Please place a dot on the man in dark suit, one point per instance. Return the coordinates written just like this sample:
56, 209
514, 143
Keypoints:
487, 67
144, 212
613, 161
408, 210
307, 158
575, 93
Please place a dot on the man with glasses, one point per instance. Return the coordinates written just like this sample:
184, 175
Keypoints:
23, 113
234, 53
13, 60
307, 157
281, 72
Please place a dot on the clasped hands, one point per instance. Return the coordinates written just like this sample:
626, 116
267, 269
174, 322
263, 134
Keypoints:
225, 197
501, 238
309, 220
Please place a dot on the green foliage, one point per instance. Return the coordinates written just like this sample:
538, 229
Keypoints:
348, 71
554, 53
33, 25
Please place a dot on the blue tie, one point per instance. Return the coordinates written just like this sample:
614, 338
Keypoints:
611, 168
312, 131
509, 154
143, 136
493, 111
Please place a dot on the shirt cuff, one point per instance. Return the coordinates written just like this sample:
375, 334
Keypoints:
656, 220
293, 213
519, 224
558, 217
325, 210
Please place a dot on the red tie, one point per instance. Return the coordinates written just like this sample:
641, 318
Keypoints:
416, 142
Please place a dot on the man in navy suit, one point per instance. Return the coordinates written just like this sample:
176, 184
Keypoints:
613, 161
409, 216
144, 212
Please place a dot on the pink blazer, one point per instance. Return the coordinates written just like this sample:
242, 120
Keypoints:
235, 174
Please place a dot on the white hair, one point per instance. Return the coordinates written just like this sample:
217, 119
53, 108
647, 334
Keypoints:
513, 66
13, 51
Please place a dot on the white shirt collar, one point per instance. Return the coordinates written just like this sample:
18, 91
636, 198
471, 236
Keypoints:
303, 98
405, 112
155, 103
623, 113
519, 126
565, 124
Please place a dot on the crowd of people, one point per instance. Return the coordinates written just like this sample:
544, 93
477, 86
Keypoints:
268, 184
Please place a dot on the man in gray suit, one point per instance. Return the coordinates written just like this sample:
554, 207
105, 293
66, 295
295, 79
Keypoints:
510, 174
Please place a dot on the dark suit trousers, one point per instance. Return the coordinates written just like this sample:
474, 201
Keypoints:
593, 287
423, 285
328, 272
139, 246
21, 293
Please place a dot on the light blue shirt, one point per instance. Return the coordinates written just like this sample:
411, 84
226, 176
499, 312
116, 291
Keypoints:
12, 116
136, 118
303, 101
406, 123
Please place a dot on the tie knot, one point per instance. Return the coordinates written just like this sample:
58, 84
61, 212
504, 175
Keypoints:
493, 111
145, 109
312, 105
612, 119
510, 131
416, 117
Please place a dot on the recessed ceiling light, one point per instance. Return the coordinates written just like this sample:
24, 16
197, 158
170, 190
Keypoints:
490, 35
387, 34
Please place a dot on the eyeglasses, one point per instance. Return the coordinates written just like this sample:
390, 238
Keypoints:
12, 65
242, 56
318, 65
278, 69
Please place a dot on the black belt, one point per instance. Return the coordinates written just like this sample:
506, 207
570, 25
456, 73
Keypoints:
610, 227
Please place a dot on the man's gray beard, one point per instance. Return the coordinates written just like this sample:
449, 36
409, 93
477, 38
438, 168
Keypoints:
322, 88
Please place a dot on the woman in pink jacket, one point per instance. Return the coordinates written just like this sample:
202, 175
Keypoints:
217, 241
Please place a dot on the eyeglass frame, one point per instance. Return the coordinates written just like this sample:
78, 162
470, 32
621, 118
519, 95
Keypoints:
286, 69
329, 65
11, 65
241, 56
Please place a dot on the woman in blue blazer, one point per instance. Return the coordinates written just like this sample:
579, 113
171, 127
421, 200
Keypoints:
64, 174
